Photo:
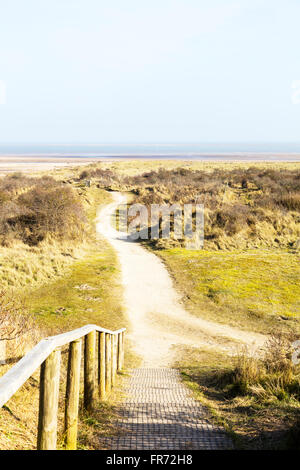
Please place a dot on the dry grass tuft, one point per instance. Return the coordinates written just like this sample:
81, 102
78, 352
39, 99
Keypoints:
256, 399
273, 377
18, 330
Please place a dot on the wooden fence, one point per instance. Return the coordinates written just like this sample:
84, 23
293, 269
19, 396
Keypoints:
100, 368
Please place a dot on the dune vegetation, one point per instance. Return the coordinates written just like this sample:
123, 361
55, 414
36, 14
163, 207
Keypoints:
256, 399
245, 207
42, 229
55, 275
247, 276
248, 272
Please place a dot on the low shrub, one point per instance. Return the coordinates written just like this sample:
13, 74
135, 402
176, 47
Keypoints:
244, 208
272, 377
43, 208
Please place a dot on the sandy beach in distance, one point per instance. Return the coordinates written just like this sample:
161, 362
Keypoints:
10, 163
25, 163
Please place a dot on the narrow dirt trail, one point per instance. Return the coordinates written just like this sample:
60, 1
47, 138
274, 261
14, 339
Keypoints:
158, 318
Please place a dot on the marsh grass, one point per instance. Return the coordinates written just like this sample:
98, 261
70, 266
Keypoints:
256, 399
270, 378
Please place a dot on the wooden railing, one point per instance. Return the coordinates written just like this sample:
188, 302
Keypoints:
98, 381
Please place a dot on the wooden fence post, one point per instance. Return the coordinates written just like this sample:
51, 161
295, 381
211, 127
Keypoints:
101, 365
113, 379
72, 394
116, 355
89, 370
123, 348
107, 362
119, 363
48, 406
112, 339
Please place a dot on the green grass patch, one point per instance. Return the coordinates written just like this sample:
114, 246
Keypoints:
257, 290
90, 292
89, 289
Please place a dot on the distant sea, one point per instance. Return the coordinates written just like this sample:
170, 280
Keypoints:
203, 151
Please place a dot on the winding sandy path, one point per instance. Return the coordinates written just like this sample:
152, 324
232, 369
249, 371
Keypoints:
158, 319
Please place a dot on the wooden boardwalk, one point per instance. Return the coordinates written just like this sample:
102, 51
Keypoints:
158, 413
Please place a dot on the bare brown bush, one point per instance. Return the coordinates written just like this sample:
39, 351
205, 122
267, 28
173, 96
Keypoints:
41, 207
104, 177
244, 208
49, 210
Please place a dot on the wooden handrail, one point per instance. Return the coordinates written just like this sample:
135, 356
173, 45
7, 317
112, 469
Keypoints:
47, 355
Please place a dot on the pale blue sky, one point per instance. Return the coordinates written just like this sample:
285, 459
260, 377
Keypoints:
149, 71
